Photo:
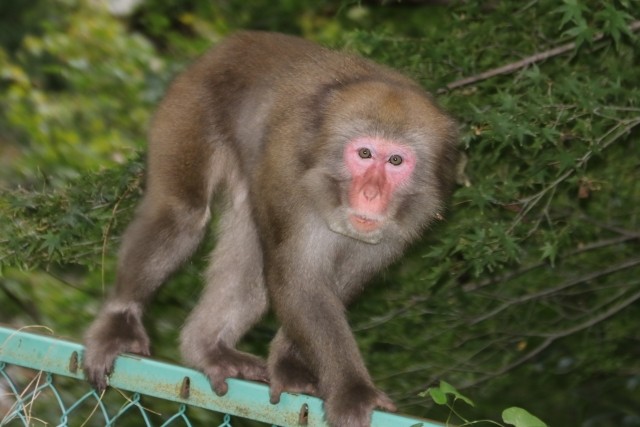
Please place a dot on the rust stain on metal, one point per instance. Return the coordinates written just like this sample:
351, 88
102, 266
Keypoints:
303, 417
73, 362
185, 388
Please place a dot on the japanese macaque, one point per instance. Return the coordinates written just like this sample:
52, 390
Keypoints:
331, 166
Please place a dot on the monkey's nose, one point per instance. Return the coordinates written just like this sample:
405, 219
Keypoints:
370, 192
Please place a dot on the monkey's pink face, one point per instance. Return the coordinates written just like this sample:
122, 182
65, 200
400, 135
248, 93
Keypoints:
377, 167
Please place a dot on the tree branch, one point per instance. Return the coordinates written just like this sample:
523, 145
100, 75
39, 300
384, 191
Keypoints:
548, 291
514, 66
625, 237
593, 320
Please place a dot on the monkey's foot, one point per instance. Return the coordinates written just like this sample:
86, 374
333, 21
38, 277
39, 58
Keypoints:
288, 374
229, 363
352, 405
110, 334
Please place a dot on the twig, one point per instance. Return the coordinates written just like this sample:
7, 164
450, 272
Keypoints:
549, 291
107, 230
551, 338
509, 68
617, 131
25, 306
625, 237
594, 320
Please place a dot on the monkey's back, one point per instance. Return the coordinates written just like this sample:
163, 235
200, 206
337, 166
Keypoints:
258, 97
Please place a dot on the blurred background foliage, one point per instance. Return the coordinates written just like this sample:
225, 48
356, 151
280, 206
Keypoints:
527, 294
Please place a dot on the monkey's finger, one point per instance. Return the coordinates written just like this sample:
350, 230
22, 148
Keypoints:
263, 377
274, 394
96, 370
219, 386
97, 379
141, 349
384, 402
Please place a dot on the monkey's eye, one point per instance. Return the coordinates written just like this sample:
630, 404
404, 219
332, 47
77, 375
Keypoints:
395, 160
364, 153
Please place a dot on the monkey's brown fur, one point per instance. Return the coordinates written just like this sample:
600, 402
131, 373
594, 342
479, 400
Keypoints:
267, 117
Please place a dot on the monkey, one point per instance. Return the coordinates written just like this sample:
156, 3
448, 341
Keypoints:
330, 165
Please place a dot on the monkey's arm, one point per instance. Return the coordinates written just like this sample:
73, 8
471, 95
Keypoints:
316, 329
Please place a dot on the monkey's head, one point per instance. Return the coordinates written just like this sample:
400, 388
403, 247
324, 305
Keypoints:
393, 158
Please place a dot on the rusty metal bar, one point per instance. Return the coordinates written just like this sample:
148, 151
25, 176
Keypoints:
175, 383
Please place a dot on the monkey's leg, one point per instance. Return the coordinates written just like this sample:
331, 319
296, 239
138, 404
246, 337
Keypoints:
288, 370
169, 224
233, 301
158, 240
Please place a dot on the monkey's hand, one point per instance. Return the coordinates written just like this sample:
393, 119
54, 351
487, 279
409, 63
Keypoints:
110, 334
289, 374
353, 404
225, 362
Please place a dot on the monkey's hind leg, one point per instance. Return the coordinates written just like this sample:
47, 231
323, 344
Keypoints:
233, 301
156, 243
168, 226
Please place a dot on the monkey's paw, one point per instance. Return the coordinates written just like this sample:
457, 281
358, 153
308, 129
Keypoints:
352, 406
109, 335
288, 374
229, 363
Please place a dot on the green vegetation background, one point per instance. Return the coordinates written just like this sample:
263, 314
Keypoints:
527, 294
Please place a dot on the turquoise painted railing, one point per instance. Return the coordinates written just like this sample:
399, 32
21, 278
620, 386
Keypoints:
57, 364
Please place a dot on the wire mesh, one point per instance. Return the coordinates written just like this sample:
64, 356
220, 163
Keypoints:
29, 398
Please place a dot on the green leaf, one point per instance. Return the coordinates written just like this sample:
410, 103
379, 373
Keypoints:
614, 22
550, 252
449, 389
572, 11
51, 242
521, 418
437, 395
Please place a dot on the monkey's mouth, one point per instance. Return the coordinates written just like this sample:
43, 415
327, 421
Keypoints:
363, 223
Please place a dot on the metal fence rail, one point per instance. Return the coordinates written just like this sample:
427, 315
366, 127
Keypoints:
52, 391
